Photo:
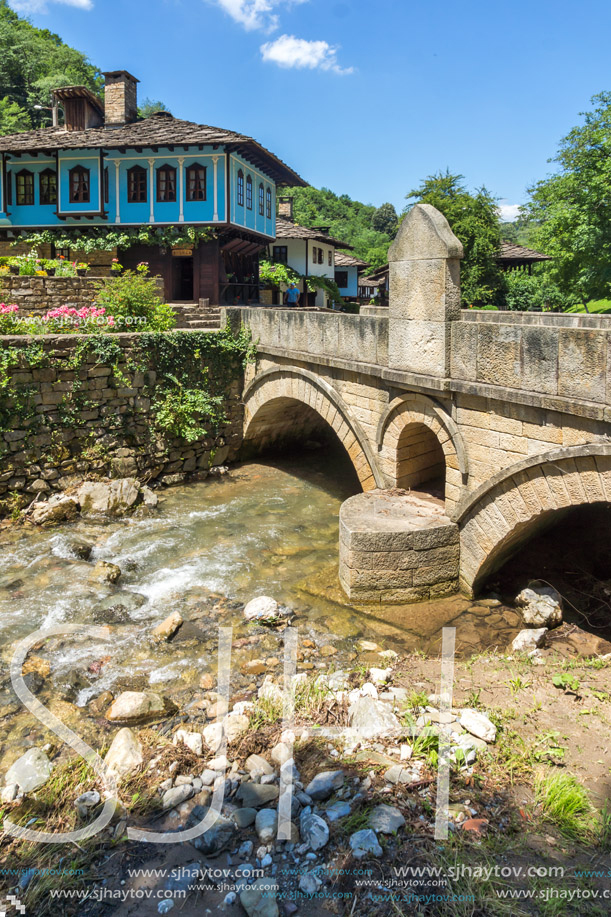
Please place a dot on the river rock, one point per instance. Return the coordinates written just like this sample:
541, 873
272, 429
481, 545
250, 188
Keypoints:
235, 725
263, 609
337, 810
125, 754
372, 718
266, 825
213, 736
116, 608
256, 795
136, 707
281, 753
217, 838
244, 817
177, 795
111, 498
85, 802
192, 740
386, 819
309, 883
379, 676
9, 793
365, 842
103, 572
80, 548
259, 899
167, 629
478, 724
149, 497
540, 605
58, 508
30, 771
325, 784
529, 639
404, 775
313, 829
257, 766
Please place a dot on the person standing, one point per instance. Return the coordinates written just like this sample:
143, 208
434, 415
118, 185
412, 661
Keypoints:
292, 296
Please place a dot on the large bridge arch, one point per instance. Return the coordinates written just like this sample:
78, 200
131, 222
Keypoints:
519, 501
270, 402
417, 439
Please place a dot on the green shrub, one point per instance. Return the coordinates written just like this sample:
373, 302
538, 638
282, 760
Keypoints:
182, 411
134, 302
535, 293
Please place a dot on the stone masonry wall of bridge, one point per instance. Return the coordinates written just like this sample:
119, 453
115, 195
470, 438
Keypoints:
517, 407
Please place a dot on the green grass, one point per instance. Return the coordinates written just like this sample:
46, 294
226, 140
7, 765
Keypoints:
566, 804
596, 307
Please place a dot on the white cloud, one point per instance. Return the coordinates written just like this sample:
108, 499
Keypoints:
508, 213
291, 52
255, 14
41, 6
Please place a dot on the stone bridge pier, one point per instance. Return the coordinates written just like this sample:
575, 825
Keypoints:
470, 431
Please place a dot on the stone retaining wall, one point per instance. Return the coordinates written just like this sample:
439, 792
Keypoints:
38, 294
64, 422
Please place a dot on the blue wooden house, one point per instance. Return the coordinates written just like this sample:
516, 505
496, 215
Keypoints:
104, 167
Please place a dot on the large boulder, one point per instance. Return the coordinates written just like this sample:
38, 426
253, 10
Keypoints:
136, 707
540, 605
124, 755
30, 771
111, 498
58, 508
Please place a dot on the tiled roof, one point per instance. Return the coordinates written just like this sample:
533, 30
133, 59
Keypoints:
344, 260
370, 282
511, 252
161, 129
286, 229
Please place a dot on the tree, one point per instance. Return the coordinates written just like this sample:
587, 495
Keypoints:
13, 118
385, 219
35, 61
148, 106
573, 207
474, 220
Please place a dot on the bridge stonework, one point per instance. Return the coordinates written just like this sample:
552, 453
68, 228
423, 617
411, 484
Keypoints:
511, 411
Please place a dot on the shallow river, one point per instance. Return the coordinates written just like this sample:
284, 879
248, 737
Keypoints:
209, 547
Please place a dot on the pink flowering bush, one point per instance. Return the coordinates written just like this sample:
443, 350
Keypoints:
67, 319
9, 321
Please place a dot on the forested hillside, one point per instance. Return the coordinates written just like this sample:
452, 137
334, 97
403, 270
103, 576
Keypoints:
368, 229
32, 63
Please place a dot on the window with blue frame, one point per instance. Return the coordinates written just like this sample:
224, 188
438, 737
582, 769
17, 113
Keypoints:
166, 184
106, 186
240, 188
261, 200
269, 203
79, 185
196, 183
248, 192
47, 185
25, 188
136, 185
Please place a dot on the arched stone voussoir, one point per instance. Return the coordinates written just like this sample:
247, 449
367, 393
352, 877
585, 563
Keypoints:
292, 383
507, 510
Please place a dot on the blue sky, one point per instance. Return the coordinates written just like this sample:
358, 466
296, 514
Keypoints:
364, 98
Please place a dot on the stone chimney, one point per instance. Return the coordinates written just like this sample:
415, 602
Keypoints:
285, 208
120, 98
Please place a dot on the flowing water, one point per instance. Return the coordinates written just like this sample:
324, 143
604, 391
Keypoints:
209, 547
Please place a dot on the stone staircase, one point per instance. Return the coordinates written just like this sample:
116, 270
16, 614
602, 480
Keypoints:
197, 316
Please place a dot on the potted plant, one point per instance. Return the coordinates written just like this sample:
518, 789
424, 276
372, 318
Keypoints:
14, 267
115, 267
50, 267
82, 268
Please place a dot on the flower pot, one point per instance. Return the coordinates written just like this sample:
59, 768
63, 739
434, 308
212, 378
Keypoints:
116, 272
81, 272
13, 268
51, 271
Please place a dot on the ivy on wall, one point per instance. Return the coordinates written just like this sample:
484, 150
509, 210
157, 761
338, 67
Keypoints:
187, 387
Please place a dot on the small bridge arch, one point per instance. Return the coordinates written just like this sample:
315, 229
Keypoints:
518, 502
282, 404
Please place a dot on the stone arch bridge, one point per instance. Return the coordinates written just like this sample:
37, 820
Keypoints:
470, 431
